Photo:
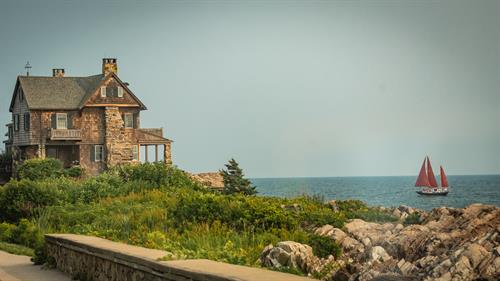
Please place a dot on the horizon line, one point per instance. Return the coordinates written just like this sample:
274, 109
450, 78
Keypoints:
303, 177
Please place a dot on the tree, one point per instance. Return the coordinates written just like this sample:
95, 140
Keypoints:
234, 182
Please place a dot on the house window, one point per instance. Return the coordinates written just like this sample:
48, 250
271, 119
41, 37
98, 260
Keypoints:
26, 121
120, 92
103, 92
99, 153
62, 121
128, 119
135, 152
16, 122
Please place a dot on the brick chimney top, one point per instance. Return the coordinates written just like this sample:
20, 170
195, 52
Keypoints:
58, 72
109, 65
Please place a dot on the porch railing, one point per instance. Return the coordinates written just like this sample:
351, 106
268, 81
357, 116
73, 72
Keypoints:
65, 134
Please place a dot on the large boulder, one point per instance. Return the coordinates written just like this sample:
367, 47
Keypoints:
288, 254
378, 254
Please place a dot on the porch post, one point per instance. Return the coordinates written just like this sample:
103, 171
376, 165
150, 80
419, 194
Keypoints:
165, 154
146, 154
156, 153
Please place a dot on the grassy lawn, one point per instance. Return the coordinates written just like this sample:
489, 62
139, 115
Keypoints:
16, 249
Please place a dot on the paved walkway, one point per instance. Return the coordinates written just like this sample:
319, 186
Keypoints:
20, 268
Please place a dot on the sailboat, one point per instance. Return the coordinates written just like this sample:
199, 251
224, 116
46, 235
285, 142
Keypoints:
427, 181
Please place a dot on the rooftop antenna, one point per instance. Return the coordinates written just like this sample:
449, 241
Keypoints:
27, 67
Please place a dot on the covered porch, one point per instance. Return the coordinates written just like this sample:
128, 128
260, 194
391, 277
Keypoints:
152, 146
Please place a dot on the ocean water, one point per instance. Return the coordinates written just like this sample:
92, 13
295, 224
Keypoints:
387, 191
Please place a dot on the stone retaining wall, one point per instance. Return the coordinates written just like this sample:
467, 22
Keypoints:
92, 258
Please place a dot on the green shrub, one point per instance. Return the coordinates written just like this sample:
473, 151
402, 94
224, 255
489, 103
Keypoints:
22, 199
74, 172
351, 205
356, 209
324, 246
37, 169
157, 174
6, 230
412, 219
27, 233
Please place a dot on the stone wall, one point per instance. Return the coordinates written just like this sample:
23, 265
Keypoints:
92, 258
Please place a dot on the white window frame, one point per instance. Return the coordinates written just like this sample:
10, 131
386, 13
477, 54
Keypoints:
135, 152
65, 119
99, 153
120, 92
103, 91
131, 120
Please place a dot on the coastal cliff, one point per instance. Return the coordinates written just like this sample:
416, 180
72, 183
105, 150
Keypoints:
443, 244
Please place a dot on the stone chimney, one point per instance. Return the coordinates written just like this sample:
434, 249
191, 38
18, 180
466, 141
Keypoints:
58, 72
109, 65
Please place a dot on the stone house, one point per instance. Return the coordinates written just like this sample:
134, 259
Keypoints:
91, 121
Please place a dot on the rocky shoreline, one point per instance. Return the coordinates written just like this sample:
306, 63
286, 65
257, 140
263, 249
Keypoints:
444, 244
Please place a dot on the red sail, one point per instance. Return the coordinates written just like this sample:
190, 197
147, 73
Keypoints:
422, 179
430, 174
444, 180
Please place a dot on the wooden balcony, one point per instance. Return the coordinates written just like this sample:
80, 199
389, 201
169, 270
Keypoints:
65, 134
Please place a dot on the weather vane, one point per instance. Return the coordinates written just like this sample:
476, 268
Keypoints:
28, 67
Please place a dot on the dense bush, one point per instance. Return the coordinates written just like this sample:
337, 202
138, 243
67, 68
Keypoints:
22, 199
324, 246
356, 209
74, 172
24, 233
38, 169
157, 174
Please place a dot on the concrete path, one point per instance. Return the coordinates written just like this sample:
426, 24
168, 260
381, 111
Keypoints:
20, 268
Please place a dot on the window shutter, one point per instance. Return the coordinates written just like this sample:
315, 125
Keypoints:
53, 121
136, 120
26, 121
92, 153
70, 120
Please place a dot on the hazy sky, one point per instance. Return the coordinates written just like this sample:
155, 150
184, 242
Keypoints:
288, 88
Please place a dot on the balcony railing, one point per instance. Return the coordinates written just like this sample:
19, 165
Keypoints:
65, 134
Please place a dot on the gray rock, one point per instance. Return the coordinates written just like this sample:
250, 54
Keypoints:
378, 253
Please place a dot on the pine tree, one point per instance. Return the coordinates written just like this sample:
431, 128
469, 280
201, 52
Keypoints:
234, 182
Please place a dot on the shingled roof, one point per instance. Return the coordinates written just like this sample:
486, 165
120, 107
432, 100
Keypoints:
57, 92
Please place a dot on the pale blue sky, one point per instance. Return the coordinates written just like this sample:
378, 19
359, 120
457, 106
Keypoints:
288, 88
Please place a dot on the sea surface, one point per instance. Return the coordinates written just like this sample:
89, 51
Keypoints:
386, 191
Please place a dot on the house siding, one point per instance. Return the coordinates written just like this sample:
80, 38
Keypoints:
96, 98
21, 137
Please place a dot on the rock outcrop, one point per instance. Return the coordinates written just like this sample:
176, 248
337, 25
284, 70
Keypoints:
297, 256
448, 244
210, 180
